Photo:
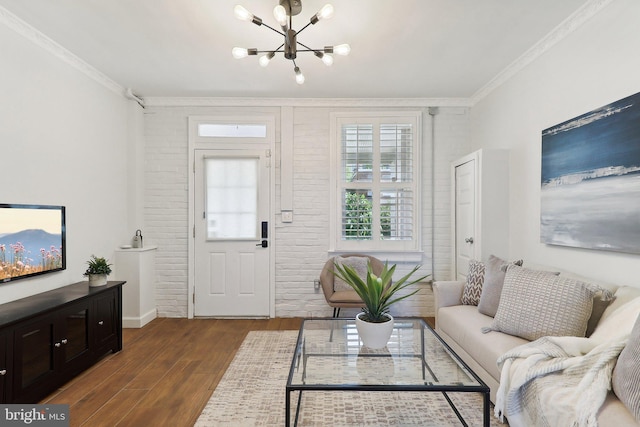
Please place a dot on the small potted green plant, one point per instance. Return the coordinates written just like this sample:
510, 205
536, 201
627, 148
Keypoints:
378, 294
98, 269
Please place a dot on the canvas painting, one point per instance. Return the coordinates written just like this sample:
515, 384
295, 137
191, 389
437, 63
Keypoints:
590, 195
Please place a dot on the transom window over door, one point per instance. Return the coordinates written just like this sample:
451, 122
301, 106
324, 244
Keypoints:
375, 196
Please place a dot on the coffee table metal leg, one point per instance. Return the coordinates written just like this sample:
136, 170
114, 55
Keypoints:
455, 410
287, 409
486, 409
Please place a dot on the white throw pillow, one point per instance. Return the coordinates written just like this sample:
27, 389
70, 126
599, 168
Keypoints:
359, 264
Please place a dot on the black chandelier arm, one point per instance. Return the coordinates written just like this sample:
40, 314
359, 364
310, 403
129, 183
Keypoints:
273, 29
303, 28
308, 49
277, 50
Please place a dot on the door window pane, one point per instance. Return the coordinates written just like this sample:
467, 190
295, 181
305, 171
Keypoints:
232, 198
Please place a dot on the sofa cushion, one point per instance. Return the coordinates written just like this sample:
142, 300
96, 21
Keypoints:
462, 324
473, 285
493, 282
613, 413
622, 296
359, 264
626, 375
537, 303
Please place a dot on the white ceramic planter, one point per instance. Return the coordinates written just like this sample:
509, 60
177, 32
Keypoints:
374, 335
97, 280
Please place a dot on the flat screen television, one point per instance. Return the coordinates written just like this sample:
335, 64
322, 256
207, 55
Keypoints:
32, 240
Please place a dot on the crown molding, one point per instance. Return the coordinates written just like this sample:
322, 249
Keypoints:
569, 25
304, 102
588, 10
41, 40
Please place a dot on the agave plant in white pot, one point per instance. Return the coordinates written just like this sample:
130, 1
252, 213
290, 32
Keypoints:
378, 293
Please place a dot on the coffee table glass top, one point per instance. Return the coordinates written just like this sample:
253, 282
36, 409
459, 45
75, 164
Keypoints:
329, 355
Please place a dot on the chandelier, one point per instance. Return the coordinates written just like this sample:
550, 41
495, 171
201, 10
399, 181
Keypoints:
283, 14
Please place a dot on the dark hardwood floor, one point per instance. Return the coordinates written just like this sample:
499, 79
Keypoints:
164, 375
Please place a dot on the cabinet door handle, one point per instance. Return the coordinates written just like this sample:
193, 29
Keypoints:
3, 372
57, 344
101, 322
64, 341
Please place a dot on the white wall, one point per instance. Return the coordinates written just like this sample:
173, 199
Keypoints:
63, 140
595, 65
300, 247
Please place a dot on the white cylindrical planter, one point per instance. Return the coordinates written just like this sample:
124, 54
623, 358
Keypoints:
374, 335
137, 267
96, 280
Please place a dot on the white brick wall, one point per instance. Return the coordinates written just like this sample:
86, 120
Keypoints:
300, 247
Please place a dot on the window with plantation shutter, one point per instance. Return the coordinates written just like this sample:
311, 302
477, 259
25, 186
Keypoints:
376, 184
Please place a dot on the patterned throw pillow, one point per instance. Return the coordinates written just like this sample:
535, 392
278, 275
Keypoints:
495, 269
626, 375
473, 285
359, 264
537, 303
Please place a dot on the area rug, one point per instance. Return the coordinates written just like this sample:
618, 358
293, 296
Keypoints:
252, 393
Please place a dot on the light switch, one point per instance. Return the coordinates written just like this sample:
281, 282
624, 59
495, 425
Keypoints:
287, 216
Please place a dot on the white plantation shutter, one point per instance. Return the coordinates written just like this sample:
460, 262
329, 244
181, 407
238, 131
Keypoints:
376, 185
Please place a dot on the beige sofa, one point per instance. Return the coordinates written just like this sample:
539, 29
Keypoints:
461, 327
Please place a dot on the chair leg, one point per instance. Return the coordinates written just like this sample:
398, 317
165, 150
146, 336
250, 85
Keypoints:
336, 311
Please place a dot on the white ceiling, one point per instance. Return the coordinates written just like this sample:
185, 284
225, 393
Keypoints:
399, 49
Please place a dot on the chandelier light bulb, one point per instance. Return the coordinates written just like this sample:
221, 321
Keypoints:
299, 76
326, 12
327, 59
342, 49
265, 59
242, 13
280, 13
239, 52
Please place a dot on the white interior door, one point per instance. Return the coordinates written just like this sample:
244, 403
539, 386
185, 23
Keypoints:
465, 208
232, 246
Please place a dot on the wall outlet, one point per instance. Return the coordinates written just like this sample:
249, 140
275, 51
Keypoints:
316, 284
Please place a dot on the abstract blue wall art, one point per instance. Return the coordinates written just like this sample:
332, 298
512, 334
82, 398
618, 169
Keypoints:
590, 195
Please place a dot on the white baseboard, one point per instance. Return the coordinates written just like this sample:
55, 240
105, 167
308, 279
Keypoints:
139, 322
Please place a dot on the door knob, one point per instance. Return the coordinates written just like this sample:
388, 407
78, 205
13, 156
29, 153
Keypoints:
264, 244
469, 240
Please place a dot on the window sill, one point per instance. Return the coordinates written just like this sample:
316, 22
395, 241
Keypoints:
392, 257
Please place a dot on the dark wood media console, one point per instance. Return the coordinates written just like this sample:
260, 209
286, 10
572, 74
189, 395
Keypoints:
48, 338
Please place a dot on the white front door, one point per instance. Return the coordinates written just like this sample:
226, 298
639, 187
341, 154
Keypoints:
232, 233
465, 206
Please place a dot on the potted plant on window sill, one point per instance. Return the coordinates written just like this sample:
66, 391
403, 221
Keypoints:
97, 271
378, 293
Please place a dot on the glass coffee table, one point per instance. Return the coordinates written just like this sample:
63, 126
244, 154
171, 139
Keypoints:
330, 357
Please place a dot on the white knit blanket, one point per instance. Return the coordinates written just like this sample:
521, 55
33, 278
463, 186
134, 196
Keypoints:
563, 381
